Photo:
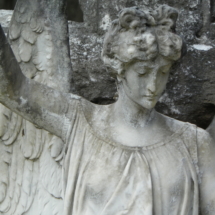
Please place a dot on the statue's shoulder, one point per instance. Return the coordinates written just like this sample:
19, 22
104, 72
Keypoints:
204, 138
88, 107
177, 126
187, 135
93, 111
188, 128
193, 136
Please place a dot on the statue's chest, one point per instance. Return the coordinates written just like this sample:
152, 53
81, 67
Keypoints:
137, 181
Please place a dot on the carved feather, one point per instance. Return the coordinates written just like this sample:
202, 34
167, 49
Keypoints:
15, 30
31, 182
4, 160
48, 206
28, 35
43, 57
25, 50
13, 129
32, 141
51, 173
15, 48
28, 69
4, 116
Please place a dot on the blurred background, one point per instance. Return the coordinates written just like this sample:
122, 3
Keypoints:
7, 4
74, 12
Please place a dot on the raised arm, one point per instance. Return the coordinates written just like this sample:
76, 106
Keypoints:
41, 105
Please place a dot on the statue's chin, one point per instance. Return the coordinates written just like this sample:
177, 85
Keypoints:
148, 103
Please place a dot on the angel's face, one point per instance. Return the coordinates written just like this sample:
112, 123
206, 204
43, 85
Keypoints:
145, 81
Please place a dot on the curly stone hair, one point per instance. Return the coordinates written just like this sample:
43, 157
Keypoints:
141, 35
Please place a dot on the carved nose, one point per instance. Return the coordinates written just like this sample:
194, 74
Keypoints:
152, 83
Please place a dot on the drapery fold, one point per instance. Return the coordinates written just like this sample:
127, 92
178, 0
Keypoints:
105, 178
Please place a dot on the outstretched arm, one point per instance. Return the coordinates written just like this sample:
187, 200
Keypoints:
44, 106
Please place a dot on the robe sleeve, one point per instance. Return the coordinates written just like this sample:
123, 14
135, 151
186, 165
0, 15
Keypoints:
206, 162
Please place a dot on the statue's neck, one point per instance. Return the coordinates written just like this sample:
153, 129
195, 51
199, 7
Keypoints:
129, 112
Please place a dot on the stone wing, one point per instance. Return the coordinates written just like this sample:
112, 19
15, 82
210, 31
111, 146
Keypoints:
30, 158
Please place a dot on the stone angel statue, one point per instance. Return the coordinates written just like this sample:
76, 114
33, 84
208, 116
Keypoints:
30, 157
122, 158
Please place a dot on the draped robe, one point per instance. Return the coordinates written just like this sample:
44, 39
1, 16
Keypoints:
102, 177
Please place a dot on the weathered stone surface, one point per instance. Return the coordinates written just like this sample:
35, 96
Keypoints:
103, 159
190, 91
189, 95
97, 14
90, 77
73, 10
5, 17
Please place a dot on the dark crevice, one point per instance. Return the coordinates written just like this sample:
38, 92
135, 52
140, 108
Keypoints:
203, 116
7, 4
199, 32
102, 101
212, 11
97, 14
73, 10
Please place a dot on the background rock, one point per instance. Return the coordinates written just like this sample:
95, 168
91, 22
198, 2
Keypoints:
5, 17
74, 11
190, 91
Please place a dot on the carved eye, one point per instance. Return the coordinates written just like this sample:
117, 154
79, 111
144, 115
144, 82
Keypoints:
142, 71
141, 74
